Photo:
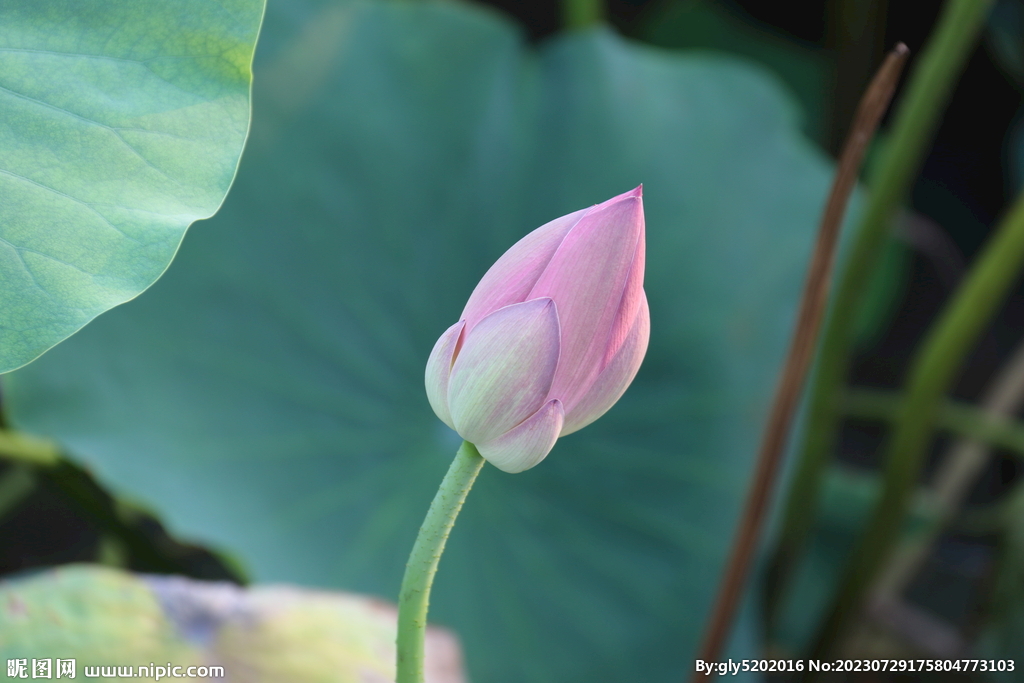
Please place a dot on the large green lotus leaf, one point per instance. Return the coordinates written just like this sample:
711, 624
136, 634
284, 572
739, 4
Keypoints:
267, 395
723, 27
103, 617
122, 123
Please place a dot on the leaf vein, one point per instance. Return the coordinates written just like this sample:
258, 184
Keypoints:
84, 119
76, 200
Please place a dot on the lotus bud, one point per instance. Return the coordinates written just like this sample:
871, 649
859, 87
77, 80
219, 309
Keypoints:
550, 338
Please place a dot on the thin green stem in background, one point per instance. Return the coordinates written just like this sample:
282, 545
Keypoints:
1008, 578
956, 473
960, 419
27, 449
414, 597
932, 371
578, 14
916, 119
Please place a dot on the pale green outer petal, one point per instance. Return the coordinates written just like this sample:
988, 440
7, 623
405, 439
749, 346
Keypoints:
616, 377
504, 370
439, 370
527, 444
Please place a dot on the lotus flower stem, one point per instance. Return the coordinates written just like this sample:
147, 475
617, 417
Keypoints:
414, 598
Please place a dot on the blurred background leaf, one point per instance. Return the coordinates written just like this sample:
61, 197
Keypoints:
92, 614
103, 617
114, 141
1005, 42
266, 396
714, 26
1005, 37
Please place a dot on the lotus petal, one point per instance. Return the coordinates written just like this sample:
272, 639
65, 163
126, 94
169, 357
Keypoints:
503, 372
528, 443
512, 276
439, 369
588, 277
613, 380
633, 298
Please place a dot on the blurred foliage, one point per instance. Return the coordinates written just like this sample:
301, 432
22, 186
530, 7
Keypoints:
806, 69
1005, 37
114, 142
848, 496
1005, 40
57, 512
882, 298
91, 614
103, 617
1004, 630
266, 395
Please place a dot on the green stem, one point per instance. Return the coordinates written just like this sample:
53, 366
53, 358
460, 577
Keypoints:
582, 13
916, 119
953, 417
1005, 594
955, 474
414, 598
28, 449
932, 372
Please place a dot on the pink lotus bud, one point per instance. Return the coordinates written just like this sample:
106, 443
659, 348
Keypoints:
550, 338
